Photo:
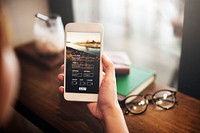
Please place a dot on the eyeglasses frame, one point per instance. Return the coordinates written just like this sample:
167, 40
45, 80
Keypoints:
152, 100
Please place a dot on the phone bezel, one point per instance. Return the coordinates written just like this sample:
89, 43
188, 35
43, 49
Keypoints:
82, 27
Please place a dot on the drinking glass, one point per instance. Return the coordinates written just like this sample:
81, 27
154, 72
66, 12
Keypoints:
49, 34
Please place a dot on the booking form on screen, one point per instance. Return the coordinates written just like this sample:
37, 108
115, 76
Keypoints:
82, 62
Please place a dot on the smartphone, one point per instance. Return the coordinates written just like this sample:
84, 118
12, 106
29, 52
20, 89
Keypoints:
83, 65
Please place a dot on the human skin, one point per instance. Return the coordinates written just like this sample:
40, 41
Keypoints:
9, 72
9, 84
106, 109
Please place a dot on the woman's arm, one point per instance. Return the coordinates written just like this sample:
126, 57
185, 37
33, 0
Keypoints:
106, 109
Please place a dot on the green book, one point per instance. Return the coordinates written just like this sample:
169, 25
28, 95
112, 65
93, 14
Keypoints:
135, 82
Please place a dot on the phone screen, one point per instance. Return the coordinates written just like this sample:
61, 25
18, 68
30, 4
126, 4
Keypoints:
82, 62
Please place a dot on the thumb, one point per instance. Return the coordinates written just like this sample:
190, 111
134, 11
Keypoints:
108, 66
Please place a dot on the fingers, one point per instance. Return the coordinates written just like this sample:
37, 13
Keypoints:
90, 105
61, 77
108, 66
61, 89
62, 67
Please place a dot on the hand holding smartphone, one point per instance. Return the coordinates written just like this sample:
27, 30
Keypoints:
83, 66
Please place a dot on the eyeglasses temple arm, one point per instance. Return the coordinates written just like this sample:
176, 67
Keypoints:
121, 103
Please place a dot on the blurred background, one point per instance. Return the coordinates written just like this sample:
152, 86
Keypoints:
149, 31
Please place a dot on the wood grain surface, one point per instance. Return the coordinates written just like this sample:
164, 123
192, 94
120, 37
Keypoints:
40, 101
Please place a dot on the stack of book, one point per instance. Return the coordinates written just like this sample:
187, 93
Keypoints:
131, 80
121, 62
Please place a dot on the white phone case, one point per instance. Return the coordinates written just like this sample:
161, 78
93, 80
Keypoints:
80, 82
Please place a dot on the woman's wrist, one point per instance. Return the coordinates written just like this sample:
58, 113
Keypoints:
112, 111
113, 120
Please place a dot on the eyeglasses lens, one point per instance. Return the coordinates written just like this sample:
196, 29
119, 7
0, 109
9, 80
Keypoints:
136, 104
164, 99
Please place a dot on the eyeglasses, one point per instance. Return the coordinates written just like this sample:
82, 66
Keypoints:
137, 104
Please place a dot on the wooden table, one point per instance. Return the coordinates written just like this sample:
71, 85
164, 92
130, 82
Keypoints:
40, 101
